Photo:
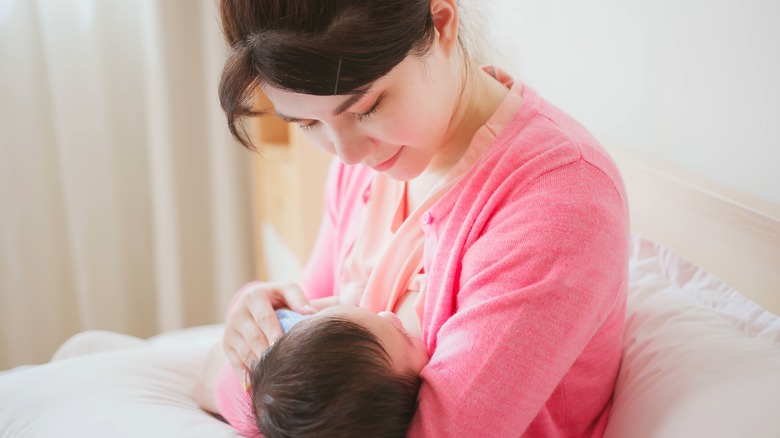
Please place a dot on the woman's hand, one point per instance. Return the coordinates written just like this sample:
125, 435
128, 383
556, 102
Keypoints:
252, 324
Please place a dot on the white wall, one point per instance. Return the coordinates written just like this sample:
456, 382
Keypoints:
693, 82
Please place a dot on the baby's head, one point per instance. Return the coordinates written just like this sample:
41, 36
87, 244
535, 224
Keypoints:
343, 372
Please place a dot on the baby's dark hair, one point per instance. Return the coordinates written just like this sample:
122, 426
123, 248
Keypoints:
329, 376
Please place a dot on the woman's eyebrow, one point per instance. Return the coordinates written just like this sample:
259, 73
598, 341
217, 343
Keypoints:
351, 100
288, 119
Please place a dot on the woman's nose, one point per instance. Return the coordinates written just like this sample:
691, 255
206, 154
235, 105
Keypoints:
350, 147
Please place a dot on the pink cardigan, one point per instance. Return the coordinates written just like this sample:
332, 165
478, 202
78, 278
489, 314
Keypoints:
526, 262
527, 273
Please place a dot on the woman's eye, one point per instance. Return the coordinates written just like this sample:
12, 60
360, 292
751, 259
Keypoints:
370, 112
307, 125
365, 116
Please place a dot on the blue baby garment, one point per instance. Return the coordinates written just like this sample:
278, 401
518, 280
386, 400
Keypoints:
288, 318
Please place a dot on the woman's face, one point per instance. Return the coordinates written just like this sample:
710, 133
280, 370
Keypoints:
407, 352
398, 125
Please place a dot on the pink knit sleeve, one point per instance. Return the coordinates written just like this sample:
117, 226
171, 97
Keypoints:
536, 303
234, 403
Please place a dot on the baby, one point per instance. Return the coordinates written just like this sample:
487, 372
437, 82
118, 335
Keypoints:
344, 371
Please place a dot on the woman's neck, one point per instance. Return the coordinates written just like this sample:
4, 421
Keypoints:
480, 96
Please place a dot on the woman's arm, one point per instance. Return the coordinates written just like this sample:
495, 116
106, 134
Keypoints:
207, 378
317, 283
216, 361
536, 300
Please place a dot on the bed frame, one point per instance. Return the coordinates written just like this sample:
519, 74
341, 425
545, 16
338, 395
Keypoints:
728, 233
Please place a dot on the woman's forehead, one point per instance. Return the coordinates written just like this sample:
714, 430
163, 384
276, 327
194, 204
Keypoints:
399, 74
286, 102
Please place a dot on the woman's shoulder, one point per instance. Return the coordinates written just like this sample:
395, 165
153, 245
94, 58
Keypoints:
541, 139
542, 157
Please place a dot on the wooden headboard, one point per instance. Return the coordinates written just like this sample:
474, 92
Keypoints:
728, 233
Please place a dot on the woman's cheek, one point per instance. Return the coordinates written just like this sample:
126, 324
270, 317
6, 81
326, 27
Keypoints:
411, 128
399, 131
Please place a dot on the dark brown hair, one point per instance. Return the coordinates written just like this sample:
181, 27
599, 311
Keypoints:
317, 47
330, 376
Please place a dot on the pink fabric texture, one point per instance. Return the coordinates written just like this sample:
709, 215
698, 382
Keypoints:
526, 263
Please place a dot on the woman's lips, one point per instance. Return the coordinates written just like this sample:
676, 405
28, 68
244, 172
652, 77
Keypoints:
390, 162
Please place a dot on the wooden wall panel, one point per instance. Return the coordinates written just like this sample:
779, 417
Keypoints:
288, 178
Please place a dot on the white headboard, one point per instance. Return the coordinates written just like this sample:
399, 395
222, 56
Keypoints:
730, 234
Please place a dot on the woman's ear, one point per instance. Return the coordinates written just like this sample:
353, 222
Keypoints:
445, 20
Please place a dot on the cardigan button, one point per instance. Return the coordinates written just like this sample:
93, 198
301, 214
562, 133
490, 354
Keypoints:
426, 218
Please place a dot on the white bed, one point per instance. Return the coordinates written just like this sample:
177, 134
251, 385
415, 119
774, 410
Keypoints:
700, 358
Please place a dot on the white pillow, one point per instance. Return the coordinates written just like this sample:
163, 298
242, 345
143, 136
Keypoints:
137, 389
699, 359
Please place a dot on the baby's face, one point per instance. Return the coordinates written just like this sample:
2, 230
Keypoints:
406, 351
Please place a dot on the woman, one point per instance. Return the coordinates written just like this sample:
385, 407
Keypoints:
459, 199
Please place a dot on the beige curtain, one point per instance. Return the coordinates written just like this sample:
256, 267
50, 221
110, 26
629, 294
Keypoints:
124, 204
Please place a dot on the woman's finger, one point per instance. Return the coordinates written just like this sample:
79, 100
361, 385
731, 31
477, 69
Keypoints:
253, 326
249, 341
233, 354
241, 332
267, 328
235, 363
296, 299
